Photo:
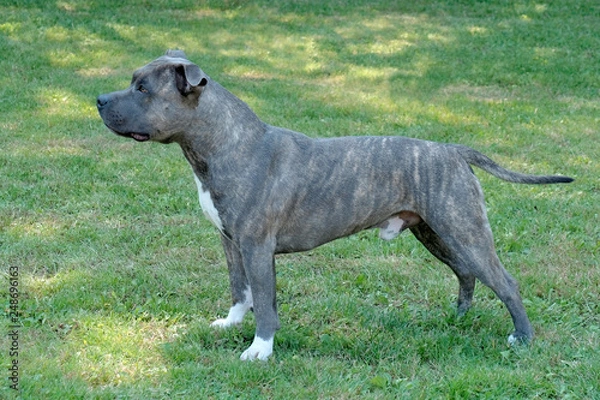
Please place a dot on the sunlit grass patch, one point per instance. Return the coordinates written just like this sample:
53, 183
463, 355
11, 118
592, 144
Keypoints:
109, 351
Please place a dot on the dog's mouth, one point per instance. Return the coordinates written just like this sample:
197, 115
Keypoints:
138, 137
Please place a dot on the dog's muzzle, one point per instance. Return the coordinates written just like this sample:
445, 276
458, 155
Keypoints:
110, 117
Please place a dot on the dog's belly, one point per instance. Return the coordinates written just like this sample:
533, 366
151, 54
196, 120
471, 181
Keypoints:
305, 237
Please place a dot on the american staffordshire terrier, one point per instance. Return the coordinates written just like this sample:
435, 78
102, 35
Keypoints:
270, 190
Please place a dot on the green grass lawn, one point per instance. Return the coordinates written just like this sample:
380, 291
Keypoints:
119, 274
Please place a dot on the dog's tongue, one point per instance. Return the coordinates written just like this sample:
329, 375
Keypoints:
140, 137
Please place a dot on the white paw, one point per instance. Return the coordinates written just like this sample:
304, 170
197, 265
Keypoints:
223, 323
259, 350
236, 313
512, 339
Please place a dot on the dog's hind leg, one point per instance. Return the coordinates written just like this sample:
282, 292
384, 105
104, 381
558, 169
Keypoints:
492, 274
472, 245
240, 289
438, 248
489, 270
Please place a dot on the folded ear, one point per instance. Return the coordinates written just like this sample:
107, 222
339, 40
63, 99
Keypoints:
189, 78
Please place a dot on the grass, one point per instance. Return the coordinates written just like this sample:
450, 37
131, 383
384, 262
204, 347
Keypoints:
120, 275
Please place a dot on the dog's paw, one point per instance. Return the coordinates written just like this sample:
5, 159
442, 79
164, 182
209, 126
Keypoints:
223, 323
259, 350
515, 339
235, 316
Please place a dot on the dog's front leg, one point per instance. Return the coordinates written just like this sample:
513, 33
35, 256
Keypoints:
240, 288
259, 265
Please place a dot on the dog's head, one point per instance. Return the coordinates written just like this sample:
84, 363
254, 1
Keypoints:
157, 103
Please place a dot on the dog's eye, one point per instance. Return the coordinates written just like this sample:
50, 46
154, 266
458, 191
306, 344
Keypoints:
142, 89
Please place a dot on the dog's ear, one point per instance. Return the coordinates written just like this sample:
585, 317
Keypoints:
176, 54
189, 78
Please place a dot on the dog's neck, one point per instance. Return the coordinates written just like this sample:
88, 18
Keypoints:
229, 129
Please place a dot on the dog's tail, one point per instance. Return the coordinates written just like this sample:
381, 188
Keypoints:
485, 163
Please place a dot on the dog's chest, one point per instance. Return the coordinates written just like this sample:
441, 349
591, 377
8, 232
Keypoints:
208, 207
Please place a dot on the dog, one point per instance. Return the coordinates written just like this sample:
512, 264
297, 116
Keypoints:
270, 190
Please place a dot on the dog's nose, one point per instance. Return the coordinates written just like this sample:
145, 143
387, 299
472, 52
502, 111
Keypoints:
102, 101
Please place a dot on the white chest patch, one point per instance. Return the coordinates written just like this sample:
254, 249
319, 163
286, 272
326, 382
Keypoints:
208, 207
